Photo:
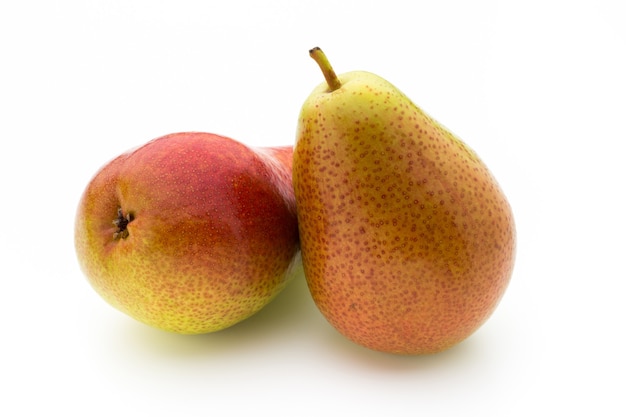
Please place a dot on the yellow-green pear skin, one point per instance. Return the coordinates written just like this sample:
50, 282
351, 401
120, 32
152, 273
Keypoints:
408, 242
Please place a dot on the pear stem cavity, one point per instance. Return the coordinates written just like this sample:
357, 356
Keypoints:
331, 78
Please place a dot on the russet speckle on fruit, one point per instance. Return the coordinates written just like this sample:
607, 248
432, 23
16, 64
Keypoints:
190, 233
407, 239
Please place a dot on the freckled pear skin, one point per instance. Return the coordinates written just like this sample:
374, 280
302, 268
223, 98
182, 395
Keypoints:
191, 232
407, 240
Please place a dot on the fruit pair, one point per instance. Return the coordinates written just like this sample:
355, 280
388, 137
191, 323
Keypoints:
407, 240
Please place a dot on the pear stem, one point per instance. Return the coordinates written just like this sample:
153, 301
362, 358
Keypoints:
331, 78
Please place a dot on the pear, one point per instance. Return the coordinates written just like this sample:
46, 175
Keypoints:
407, 240
191, 232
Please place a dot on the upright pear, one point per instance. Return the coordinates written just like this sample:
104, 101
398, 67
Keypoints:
407, 240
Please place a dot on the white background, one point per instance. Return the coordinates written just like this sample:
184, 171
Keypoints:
537, 88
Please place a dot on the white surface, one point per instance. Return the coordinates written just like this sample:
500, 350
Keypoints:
537, 89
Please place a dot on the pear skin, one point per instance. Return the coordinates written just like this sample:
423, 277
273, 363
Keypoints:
408, 241
190, 233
